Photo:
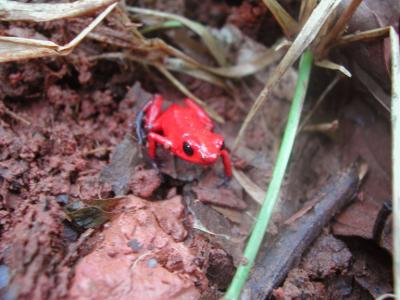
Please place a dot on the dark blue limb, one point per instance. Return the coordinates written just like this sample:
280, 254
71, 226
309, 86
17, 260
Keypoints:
140, 131
224, 182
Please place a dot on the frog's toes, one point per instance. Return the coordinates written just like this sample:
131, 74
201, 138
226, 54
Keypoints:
224, 182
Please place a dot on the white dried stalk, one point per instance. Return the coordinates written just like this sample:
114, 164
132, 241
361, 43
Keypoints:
15, 48
41, 12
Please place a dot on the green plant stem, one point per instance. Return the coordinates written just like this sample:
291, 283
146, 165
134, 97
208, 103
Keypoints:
395, 56
161, 26
272, 194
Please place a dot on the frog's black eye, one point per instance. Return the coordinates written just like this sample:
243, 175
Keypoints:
187, 149
223, 146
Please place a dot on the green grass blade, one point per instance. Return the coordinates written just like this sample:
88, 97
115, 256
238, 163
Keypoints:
395, 55
272, 194
161, 26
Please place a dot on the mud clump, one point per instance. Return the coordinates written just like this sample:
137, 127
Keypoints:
318, 272
299, 286
141, 254
144, 182
327, 257
33, 251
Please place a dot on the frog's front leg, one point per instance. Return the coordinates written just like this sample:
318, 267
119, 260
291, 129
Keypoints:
227, 163
154, 138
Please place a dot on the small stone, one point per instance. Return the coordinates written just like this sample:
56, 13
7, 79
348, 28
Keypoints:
152, 263
69, 233
135, 245
4, 276
62, 199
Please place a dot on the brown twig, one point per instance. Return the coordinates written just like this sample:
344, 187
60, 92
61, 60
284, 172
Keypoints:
16, 117
319, 101
98, 149
322, 127
362, 36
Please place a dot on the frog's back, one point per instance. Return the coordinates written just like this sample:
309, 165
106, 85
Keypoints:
177, 120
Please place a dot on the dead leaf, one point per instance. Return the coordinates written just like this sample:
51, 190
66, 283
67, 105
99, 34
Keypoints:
256, 193
92, 213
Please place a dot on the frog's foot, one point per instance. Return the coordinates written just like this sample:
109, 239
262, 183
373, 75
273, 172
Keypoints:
155, 166
224, 182
141, 135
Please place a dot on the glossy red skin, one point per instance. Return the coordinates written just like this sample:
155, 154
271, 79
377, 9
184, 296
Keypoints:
184, 123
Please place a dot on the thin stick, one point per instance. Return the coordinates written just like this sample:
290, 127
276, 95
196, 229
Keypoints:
322, 127
339, 27
256, 237
319, 101
395, 54
16, 117
362, 36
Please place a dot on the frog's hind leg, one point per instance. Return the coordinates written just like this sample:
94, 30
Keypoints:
200, 113
140, 132
153, 111
145, 120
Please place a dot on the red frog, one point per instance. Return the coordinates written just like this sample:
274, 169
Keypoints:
185, 130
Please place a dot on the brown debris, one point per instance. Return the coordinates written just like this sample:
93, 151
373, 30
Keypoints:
328, 256
219, 196
359, 220
367, 131
386, 238
318, 271
299, 286
208, 191
144, 181
249, 17
372, 269
170, 215
216, 227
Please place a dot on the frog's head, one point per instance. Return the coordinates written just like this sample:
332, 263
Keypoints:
203, 148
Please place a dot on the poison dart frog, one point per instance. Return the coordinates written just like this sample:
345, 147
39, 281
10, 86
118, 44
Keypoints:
185, 130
